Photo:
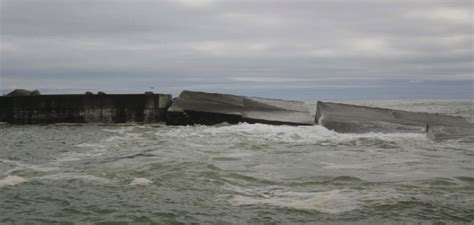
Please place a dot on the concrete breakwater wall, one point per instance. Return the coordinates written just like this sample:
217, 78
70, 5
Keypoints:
191, 108
115, 108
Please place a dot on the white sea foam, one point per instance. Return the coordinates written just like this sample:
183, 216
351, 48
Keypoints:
74, 156
330, 165
11, 181
261, 133
140, 181
75, 176
18, 165
90, 145
120, 130
334, 201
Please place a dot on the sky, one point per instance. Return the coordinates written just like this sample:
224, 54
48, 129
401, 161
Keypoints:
388, 49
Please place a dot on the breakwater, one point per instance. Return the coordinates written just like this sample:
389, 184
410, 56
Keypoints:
191, 108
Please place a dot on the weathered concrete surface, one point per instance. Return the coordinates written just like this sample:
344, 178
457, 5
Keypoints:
84, 108
346, 118
210, 102
213, 108
441, 133
431, 118
205, 108
275, 111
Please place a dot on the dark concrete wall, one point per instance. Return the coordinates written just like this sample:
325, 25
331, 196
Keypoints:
119, 108
5, 108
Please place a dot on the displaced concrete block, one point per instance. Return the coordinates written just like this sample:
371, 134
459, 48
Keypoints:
346, 118
213, 108
205, 108
431, 118
210, 103
276, 111
441, 133
342, 124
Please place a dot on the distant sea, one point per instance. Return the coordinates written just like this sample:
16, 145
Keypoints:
296, 90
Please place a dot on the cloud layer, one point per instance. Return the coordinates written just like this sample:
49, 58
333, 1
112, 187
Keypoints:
99, 44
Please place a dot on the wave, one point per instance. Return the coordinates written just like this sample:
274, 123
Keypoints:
262, 133
324, 201
75, 176
11, 181
140, 182
332, 202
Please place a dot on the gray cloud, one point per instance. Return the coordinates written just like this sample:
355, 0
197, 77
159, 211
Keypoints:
98, 44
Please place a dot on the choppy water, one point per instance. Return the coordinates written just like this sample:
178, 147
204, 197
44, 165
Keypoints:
235, 174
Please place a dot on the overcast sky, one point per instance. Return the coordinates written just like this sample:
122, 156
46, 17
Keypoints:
120, 45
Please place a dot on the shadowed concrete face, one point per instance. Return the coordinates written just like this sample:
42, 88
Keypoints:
346, 118
440, 133
212, 108
430, 118
349, 124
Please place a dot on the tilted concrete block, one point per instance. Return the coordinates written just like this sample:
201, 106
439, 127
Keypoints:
212, 108
441, 133
276, 111
347, 118
205, 108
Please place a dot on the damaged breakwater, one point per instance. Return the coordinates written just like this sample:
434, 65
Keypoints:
192, 107
212, 108
103, 108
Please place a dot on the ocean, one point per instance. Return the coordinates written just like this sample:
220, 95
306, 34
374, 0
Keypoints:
235, 174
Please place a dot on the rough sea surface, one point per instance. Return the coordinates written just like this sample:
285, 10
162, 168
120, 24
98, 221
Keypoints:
235, 174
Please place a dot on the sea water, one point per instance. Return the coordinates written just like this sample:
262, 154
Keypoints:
235, 174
